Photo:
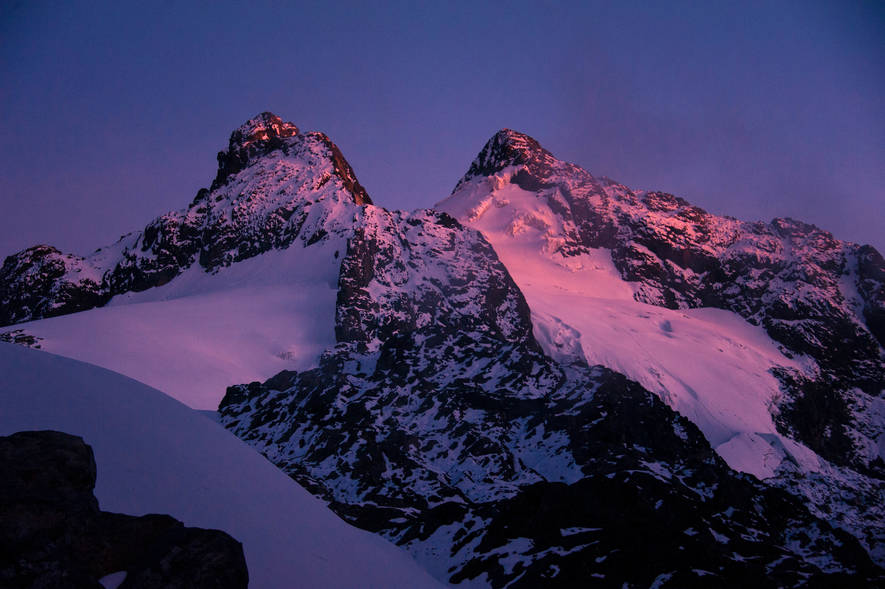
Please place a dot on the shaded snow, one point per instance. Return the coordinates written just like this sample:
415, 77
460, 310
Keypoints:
155, 455
113, 580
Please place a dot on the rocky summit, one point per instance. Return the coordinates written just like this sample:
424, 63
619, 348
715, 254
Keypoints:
549, 379
268, 181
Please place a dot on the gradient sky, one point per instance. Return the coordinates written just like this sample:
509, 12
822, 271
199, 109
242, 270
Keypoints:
111, 115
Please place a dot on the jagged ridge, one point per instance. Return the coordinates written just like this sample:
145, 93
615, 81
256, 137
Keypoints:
268, 180
786, 275
819, 297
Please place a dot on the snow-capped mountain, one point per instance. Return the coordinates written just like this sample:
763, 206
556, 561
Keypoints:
811, 292
786, 378
263, 198
520, 388
236, 287
438, 422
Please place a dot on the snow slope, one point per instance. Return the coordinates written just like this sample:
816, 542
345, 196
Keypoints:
708, 364
156, 456
202, 332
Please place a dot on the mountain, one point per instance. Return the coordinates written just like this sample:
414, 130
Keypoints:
816, 295
487, 386
156, 456
237, 286
438, 422
193, 337
269, 180
782, 369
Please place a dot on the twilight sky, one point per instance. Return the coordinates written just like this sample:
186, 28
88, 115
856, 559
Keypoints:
111, 115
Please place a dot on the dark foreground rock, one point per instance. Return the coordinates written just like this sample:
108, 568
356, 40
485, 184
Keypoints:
53, 535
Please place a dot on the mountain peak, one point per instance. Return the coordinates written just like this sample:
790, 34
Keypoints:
509, 148
516, 140
259, 135
263, 127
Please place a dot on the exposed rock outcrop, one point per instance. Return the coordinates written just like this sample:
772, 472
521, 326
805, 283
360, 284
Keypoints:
53, 535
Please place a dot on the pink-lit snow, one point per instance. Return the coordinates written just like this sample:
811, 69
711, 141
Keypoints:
708, 364
199, 334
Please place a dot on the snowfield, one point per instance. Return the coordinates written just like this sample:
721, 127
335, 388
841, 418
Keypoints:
155, 455
202, 332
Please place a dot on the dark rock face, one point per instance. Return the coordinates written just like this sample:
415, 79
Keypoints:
438, 422
42, 281
254, 138
190, 557
52, 534
871, 283
343, 170
18, 336
268, 180
511, 148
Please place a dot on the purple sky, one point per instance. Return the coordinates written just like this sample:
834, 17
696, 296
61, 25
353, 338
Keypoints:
111, 115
